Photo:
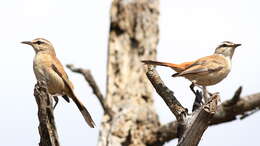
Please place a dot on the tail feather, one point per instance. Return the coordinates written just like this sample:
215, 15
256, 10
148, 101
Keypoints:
176, 67
159, 63
84, 112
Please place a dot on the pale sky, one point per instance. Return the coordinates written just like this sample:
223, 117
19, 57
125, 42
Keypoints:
79, 31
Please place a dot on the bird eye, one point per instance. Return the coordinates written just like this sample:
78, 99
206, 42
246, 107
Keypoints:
38, 42
224, 45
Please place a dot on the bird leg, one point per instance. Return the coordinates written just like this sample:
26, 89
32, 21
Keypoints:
205, 94
56, 99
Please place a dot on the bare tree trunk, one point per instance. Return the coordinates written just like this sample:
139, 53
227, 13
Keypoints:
134, 36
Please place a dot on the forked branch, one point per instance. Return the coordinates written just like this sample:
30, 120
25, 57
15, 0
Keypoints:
189, 129
226, 112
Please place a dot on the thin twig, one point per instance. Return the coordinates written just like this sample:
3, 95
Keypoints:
92, 83
245, 115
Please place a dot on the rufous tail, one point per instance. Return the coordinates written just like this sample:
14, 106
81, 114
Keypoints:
175, 67
84, 112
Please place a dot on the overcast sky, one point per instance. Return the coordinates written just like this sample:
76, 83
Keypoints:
79, 31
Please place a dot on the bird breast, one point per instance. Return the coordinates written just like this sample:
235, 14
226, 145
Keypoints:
44, 72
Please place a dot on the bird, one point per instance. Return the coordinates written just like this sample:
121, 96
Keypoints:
48, 68
205, 71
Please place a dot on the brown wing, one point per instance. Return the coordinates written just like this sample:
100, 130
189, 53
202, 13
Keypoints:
65, 80
58, 68
203, 65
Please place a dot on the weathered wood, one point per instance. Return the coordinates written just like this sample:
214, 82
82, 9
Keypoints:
133, 37
198, 122
167, 95
223, 114
189, 128
47, 128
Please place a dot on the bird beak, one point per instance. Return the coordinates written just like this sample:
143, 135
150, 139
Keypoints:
236, 45
27, 42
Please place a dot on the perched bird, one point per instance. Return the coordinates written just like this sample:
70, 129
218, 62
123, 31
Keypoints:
205, 71
48, 68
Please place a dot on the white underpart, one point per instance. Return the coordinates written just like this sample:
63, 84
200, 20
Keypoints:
228, 61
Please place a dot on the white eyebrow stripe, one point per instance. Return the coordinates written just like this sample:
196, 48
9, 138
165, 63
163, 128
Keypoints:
42, 40
228, 43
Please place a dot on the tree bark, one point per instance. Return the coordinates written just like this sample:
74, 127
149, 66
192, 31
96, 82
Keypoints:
47, 128
226, 112
190, 128
134, 36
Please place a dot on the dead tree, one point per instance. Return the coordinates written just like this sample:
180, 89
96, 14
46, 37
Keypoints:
133, 36
130, 118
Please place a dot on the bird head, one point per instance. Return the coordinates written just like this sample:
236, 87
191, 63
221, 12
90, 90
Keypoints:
40, 45
226, 48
